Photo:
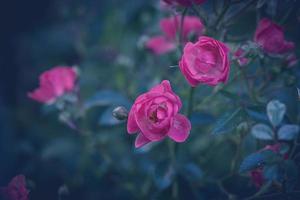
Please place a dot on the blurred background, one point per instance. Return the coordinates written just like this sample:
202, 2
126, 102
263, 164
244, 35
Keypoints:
104, 39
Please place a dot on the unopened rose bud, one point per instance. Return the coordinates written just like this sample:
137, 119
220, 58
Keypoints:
120, 113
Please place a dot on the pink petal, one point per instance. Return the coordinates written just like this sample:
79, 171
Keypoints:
132, 126
180, 129
160, 45
169, 26
141, 140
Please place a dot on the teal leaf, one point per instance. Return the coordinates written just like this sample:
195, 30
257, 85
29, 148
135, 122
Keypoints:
288, 132
163, 175
258, 159
275, 111
271, 173
262, 132
192, 172
227, 122
257, 114
252, 161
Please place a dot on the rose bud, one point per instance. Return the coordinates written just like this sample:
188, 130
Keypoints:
270, 37
120, 113
54, 83
205, 62
154, 116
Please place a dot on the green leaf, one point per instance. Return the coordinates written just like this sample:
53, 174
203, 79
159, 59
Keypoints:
275, 111
227, 122
288, 132
262, 132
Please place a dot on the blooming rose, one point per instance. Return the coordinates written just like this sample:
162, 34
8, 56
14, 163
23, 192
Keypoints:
16, 189
205, 61
154, 115
184, 2
54, 83
270, 37
170, 27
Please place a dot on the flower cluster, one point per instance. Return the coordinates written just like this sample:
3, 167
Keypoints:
171, 27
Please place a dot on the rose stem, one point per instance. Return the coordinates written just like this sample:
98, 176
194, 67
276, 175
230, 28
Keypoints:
190, 102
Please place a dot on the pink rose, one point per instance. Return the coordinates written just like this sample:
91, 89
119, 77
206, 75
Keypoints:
54, 83
184, 2
170, 27
205, 61
154, 115
16, 189
270, 37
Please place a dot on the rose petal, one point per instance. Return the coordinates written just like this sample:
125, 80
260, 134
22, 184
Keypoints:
180, 128
141, 140
132, 126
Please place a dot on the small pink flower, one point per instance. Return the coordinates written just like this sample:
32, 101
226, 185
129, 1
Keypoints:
160, 45
54, 83
239, 55
270, 37
205, 62
16, 189
154, 115
184, 2
170, 28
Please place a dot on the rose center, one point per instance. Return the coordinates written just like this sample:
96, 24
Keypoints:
158, 113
